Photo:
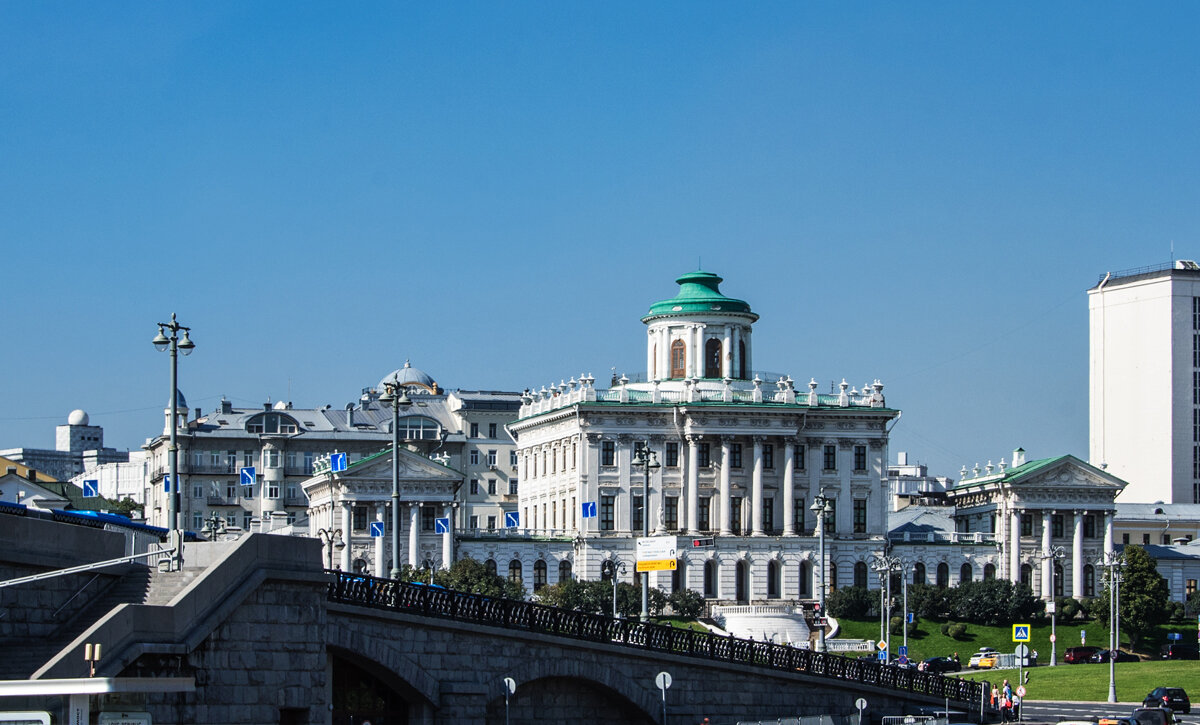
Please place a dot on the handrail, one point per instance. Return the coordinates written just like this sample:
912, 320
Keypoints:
390, 594
72, 597
82, 568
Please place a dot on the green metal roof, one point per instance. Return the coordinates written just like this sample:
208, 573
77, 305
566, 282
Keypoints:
699, 292
1013, 474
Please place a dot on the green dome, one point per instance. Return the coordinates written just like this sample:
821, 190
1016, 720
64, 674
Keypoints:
698, 293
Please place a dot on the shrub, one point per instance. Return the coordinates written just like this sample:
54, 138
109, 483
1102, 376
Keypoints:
850, 602
686, 602
957, 630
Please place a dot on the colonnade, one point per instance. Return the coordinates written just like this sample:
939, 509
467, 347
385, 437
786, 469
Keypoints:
344, 510
734, 339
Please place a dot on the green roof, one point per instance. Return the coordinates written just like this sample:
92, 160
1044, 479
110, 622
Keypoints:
1012, 474
699, 292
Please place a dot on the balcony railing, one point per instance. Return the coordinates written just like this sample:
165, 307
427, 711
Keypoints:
388, 594
943, 537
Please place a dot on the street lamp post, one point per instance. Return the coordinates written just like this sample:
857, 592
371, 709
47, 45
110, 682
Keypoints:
331, 538
1055, 555
175, 345
214, 526
648, 460
822, 507
1114, 564
614, 567
397, 397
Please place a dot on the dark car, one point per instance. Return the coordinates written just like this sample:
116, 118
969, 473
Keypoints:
1118, 656
938, 665
1172, 698
1077, 655
1153, 716
1180, 652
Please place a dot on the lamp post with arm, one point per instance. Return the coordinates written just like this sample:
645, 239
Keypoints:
1055, 555
331, 538
648, 461
822, 507
175, 345
1113, 563
396, 397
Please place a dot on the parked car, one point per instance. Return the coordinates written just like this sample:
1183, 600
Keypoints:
1172, 698
1078, 655
1153, 716
973, 663
938, 665
1118, 656
1117, 721
988, 661
1180, 651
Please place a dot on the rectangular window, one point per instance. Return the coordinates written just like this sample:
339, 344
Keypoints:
1056, 525
491, 523
607, 512
735, 514
1145, 539
512, 458
860, 458
735, 455
1166, 539
292, 491
474, 486
246, 516
830, 458
705, 457
292, 460
198, 520
273, 489
637, 513
231, 492
1125, 539
798, 516
308, 462
672, 456
1089, 526
271, 458
768, 515
768, 453
248, 458
360, 518
473, 522
800, 464
197, 490
491, 487
474, 430
1026, 525
671, 512
703, 510
474, 457
491, 457
860, 516
1191, 587
491, 430
512, 487
428, 514
608, 453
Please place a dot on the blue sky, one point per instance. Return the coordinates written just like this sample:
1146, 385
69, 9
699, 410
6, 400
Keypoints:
916, 192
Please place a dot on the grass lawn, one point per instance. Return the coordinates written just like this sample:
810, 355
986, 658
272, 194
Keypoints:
1090, 682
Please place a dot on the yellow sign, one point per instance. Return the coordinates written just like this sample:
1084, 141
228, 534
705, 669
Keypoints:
1020, 632
657, 565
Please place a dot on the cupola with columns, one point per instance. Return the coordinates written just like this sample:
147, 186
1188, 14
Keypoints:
699, 333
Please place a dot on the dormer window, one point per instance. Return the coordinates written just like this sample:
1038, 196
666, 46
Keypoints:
416, 427
272, 424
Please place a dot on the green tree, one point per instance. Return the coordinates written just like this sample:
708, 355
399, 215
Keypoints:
1144, 595
851, 602
686, 602
469, 575
993, 602
929, 602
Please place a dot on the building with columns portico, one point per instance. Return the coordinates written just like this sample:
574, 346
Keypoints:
742, 455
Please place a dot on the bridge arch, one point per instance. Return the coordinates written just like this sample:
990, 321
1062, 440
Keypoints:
383, 660
605, 681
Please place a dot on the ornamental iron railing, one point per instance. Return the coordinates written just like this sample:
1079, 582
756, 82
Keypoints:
435, 601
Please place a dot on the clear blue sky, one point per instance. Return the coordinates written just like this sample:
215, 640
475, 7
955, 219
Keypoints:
917, 192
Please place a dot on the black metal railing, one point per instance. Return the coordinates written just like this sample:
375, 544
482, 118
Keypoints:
434, 601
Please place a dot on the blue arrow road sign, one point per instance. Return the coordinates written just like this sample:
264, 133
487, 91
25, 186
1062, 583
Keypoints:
903, 650
248, 476
589, 509
441, 526
337, 462
376, 528
166, 484
512, 519
91, 488
883, 656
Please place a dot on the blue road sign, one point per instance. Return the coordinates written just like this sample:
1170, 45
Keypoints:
911, 617
902, 659
512, 519
589, 509
166, 484
1174, 636
903, 650
1020, 633
248, 476
441, 526
337, 462
376, 528
883, 656
91, 488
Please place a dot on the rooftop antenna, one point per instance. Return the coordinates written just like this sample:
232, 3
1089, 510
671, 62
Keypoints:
699, 263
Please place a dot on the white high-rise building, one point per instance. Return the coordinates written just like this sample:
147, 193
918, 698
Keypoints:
1145, 381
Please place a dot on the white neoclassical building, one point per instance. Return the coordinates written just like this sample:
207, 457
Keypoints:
742, 455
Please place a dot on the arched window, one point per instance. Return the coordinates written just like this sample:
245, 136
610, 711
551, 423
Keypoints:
539, 574
272, 423
564, 570
918, 574
1027, 575
415, 427
943, 575
712, 358
742, 585
964, 574
514, 571
1058, 580
805, 589
490, 566
678, 359
774, 575
860, 574
989, 571
1089, 581
831, 582
710, 579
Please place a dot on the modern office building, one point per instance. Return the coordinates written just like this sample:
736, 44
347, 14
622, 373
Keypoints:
1145, 381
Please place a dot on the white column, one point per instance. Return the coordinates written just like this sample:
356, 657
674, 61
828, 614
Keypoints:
726, 353
724, 507
1077, 557
1108, 532
448, 537
756, 490
789, 487
695, 362
1014, 552
1047, 563
692, 493
414, 529
346, 520
379, 542
664, 353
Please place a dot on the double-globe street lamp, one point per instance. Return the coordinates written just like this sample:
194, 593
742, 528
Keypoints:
396, 396
1054, 556
648, 461
331, 539
1114, 564
175, 344
885, 566
822, 507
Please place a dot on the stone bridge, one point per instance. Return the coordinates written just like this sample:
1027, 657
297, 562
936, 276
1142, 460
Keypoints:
271, 638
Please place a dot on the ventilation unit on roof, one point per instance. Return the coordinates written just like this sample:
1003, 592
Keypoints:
1186, 264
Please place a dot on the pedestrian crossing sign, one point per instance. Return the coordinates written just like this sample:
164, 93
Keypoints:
1020, 632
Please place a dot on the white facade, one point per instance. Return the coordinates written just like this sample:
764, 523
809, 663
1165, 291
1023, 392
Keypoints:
118, 481
1145, 381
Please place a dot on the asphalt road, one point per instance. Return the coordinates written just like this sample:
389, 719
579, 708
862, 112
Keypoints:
1049, 711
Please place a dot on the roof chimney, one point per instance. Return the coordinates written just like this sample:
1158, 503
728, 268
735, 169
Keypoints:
1018, 457
350, 415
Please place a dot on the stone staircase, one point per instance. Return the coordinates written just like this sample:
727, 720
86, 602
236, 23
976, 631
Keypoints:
139, 585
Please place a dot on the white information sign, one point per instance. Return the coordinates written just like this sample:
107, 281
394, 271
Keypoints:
655, 548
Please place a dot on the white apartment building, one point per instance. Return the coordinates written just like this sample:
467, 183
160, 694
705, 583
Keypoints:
1145, 381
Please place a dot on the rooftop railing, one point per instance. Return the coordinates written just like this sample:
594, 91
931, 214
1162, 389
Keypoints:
389, 594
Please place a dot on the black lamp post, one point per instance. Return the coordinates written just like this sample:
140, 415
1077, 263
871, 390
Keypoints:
397, 397
648, 460
175, 345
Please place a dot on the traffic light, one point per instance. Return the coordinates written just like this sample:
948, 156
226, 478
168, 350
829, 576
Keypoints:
707, 542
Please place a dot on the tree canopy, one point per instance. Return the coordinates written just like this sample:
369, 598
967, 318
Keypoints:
1143, 595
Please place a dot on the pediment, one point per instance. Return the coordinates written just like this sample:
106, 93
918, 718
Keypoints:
412, 467
1068, 473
